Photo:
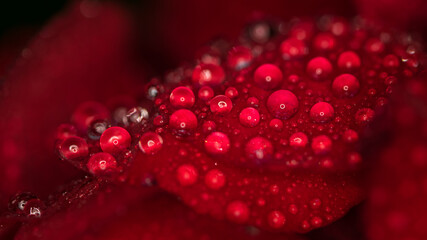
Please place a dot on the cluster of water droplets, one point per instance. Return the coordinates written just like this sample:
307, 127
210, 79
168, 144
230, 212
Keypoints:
98, 140
298, 95
287, 96
26, 205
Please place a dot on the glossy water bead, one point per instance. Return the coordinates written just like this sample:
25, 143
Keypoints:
293, 48
217, 143
183, 120
268, 76
115, 140
150, 143
282, 104
73, 148
345, 85
221, 104
319, 68
322, 112
208, 74
259, 149
102, 164
182, 97
249, 117
239, 57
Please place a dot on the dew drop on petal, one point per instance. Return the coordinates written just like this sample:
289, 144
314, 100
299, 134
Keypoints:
221, 104
217, 143
182, 97
282, 104
268, 76
322, 112
319, 68
238, 212
249, 117
208, 74
349, 61
215, 179
183, 121
276, 124
276, 219
205, 93
115, 140
345, 85
72, 148
364, 116
298, 140
186, 175
239, 57
102, 164
350, 136
150, 143
259, 149
321, 144
293, 48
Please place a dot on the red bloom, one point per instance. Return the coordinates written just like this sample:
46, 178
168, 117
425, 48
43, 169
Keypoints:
279, 130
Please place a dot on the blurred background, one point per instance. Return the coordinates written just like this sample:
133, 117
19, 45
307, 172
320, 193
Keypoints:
19, 13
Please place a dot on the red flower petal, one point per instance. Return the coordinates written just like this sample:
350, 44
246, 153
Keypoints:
397, 208
96, 210
83, 54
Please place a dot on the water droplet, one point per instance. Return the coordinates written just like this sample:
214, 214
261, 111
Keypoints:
215, 179
391, 61
293, 48
182, 97
137, 114
18, 202
374, 45
150, 143
253, 101
319, 68
208, 74
238, 212
186, 175
364, 116
345, 85
249, 117
34, 208
183, 121
276, 124
217, 143
96, 129
239, 57
102, 164
73, 148
324, 42
115, 140
321, 144
282, 104
293, 209
268, 76
350, 136
208, 126
315, 203
322, 112
205, 93
259, 149
231, 92
221, 104
316, 221
276, 219
349, 61
298, 140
